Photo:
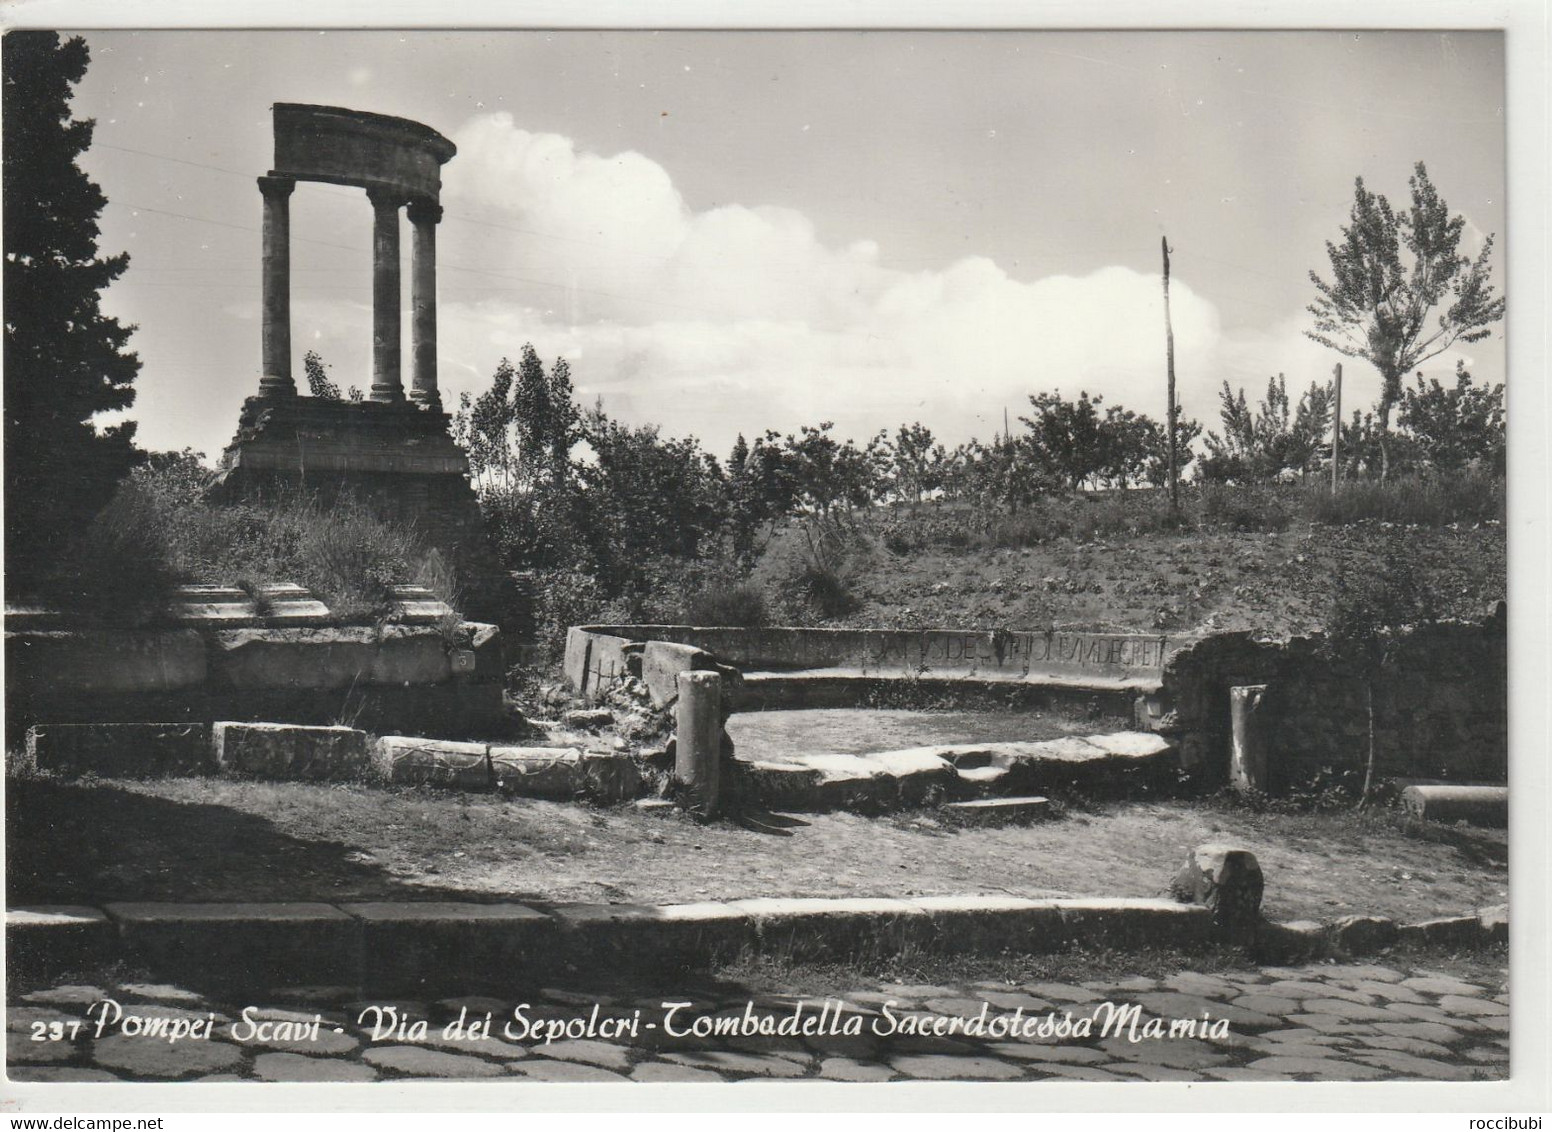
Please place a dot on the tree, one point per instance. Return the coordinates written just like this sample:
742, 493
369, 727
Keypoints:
1156, 446
1380, 304
65, 361
1067, 436
918, 462
1456, 426
1277, 438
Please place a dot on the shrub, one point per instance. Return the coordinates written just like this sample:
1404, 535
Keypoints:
723, 603
828, 591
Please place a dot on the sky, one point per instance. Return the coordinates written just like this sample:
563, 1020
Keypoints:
725, 232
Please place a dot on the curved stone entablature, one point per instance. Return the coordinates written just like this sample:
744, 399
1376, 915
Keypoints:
355, 147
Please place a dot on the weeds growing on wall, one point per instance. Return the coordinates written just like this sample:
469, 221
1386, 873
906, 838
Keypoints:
160, 531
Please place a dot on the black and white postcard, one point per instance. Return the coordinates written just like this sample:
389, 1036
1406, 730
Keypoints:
820, 558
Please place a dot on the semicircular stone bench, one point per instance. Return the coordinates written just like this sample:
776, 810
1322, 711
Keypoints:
816, 667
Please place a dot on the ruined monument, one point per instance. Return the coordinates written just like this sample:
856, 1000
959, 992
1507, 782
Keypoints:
391, 451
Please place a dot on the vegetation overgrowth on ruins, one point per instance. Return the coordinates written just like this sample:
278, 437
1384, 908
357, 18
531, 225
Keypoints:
161, 529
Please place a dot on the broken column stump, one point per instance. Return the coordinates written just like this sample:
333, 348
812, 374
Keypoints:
698, 742
1247, 762
1227, 881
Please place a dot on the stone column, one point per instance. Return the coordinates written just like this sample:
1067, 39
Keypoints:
1247, 757
698, 741
276, 380
425, 215
386, 383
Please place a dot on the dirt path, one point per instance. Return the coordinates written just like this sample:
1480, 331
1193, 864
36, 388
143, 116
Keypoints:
205, 839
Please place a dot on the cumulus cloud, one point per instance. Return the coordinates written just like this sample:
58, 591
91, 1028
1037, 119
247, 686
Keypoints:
739, 318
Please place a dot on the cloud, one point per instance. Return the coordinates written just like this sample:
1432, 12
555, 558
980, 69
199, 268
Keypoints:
738, 319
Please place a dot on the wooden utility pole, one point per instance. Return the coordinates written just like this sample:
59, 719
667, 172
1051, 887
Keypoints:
1336, 430
1169, 339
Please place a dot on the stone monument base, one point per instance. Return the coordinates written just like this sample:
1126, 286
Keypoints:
397, 459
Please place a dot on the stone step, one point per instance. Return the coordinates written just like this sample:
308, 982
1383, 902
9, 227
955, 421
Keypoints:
998, 811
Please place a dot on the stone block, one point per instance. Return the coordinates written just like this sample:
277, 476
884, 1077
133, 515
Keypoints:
1451, 931
588, 719
1477, 805
1494, 923
289, 751
42, 939
537, 772
661, 663
241, 947
426, 948
667, 938
843, 929
974, 924
1134, 922
998, 811
433, 762
121, 750
610, 778
1227, 881
106, 661
777, 786
330, 658
1297, 941
1362, 935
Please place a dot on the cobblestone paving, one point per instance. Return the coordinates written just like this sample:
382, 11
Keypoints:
1350, 1022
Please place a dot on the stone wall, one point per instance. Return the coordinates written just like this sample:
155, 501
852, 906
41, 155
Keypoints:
1440, 706
415, 678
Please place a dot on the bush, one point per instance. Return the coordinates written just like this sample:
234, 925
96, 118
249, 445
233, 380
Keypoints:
723, 603
827, 591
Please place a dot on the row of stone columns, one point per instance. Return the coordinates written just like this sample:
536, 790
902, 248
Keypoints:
387, 383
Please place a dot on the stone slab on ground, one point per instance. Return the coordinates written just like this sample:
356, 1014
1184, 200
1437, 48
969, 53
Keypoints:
993, 923
289, 751
998, 811
538, 772
433, 762
120, 750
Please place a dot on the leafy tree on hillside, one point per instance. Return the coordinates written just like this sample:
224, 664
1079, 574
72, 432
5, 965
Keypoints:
1278, 437
1155, 443
1455, 426
827, 473
65, 361
1068, 437
918, 462
1380, 304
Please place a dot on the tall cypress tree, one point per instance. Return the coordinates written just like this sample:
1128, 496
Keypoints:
65, 360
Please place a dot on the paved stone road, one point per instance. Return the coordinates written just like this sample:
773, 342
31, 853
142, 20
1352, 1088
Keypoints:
1321, 1022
